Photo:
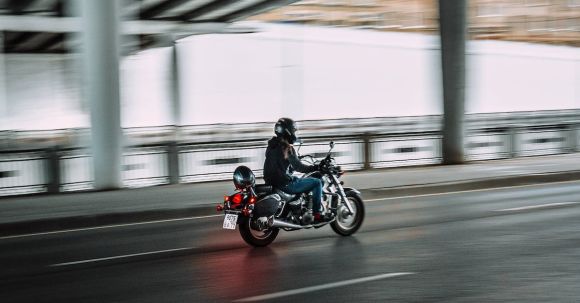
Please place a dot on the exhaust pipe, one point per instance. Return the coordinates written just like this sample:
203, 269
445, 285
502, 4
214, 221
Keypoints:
285, 224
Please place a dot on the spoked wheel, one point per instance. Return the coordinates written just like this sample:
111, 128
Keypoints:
256, 237
347, 224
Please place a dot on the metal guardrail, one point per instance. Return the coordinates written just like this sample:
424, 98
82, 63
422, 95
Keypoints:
24, 173
360, 144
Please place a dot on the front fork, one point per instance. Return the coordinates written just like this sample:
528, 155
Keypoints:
343, 195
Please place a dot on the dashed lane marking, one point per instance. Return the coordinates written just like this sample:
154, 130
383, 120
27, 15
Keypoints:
120, 257
540, 206
322, 287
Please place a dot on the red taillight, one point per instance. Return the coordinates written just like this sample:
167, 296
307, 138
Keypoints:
226, 198
252, 200
237, 199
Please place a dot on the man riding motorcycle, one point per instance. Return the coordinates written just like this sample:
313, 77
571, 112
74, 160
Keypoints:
282, 160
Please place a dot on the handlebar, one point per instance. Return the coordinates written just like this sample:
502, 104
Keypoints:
325, 165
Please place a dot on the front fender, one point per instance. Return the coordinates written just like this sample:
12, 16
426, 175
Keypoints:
350, 189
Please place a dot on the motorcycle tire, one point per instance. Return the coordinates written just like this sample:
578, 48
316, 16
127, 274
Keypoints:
257, 238
346, 225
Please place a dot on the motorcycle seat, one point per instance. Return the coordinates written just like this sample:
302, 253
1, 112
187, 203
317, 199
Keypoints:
285, 196
264, 189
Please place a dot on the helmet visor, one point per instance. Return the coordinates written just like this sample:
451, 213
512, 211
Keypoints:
292, 133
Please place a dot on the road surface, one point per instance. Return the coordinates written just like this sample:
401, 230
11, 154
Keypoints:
518, 244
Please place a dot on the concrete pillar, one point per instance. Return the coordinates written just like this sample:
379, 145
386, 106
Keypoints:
130, 11
173, 147
3, 87
175, 86
453, 29
169, 40
101, 65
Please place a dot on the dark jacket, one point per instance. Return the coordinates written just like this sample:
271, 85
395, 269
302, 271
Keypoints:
277, 170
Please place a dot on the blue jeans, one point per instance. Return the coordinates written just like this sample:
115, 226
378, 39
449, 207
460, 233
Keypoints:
304, 185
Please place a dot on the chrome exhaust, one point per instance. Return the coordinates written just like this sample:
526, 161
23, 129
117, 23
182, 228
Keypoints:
285, 224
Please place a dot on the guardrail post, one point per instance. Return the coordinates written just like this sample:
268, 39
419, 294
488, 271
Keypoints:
367, 151
572, 131
53, 170
173, 162
513, 141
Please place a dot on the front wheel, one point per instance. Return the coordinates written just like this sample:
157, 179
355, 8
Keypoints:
347, 224
255, 237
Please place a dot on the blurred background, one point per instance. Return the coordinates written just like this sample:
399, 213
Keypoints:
197, 101
109, 94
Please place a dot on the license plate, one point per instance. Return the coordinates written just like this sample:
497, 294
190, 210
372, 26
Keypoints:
230, 221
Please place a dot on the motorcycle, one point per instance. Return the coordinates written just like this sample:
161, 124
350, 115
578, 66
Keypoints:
261, 211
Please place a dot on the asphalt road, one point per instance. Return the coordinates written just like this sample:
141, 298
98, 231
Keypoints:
518, 244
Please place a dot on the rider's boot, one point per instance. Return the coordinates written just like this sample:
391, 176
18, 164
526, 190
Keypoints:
320, 218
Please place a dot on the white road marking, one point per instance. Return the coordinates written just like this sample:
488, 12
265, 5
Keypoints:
120, 257
106, 226
468, 191
321, 287
537, 206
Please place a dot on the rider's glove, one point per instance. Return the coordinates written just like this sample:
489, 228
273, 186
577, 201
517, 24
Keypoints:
321, 166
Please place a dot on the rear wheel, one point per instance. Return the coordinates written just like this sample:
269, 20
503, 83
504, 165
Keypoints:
347, 224
256, 237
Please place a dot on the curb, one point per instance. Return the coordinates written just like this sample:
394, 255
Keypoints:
88, 221
476, 184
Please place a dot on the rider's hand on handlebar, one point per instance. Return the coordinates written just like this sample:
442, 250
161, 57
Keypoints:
319, 166
324, 165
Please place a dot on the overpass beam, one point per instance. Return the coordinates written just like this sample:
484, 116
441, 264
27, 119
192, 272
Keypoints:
101, 51
453, 30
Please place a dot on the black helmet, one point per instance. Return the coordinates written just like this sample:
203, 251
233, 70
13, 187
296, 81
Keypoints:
244, 177
286, 128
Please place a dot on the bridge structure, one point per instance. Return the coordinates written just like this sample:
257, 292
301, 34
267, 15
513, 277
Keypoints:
104, 30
